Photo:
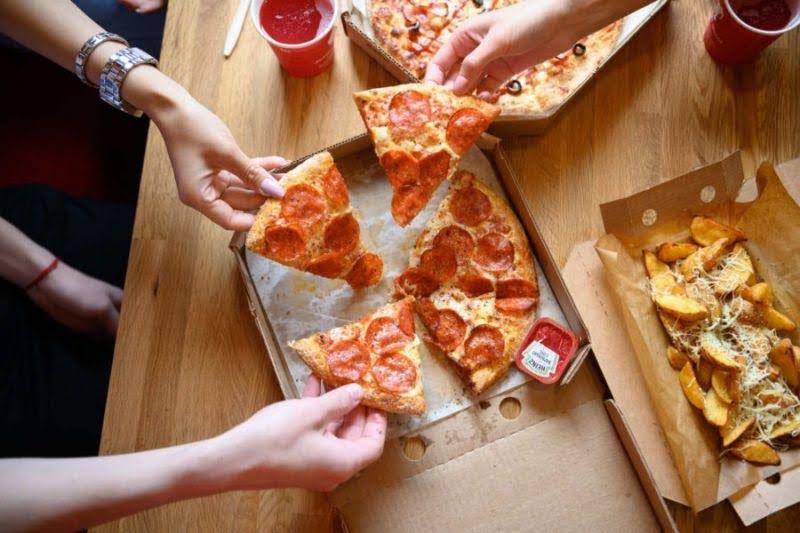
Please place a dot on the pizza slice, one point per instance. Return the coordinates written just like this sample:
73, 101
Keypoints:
472, 273
313, 227
420, 132
380, 352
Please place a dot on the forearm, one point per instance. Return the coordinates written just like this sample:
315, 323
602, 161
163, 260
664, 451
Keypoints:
21, 259
72, 494
582, 17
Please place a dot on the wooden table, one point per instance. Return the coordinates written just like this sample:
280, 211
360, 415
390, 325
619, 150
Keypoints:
189, 362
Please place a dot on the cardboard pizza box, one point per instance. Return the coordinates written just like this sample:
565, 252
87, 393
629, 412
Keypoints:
355, 21
526, 458
718, 189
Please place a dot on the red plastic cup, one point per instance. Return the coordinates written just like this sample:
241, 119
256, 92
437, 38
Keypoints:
730, 40
302, 60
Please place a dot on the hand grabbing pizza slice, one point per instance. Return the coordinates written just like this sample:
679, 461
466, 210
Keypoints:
380, 352
420, 133
473, 274
313, 227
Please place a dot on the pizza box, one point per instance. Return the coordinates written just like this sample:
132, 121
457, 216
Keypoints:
686, 471
355, 21
484, 466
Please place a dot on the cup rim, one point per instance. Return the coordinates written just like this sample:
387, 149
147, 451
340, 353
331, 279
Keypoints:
770, 33
255, 8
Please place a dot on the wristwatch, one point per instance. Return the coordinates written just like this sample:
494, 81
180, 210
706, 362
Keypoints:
114, 72
86, 50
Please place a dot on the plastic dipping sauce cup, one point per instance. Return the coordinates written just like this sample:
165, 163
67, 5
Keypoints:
300, 32
740, 29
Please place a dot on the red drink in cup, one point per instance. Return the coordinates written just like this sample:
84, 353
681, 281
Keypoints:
300, 32
741, 29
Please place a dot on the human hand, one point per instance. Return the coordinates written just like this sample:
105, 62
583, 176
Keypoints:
80, 302
213, 175
314, 443
490, 48
143, 6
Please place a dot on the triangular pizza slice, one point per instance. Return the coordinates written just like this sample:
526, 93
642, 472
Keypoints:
313, 227
473, 275
420, 132
380, 352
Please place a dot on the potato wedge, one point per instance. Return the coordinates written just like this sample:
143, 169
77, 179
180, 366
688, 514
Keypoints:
681, 307
669, 252
734, 387
703, 372
760, 293
732, 431
676, 358
690, 387
661, 279
705, 231
705, 258
748, 313
776, 320
782, 355
738, 270
719, 382
796, 354
756, 452
717, 353
786, 430
714, 409
774, 372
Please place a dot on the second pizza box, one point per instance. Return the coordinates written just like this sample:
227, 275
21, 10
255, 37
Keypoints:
357, 26
470, 463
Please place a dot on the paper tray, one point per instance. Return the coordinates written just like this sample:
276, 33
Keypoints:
288, 304
355, 21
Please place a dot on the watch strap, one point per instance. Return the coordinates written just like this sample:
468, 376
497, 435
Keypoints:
82, 57
114, 72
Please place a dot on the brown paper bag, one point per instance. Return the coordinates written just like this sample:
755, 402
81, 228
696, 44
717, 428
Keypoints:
772, 223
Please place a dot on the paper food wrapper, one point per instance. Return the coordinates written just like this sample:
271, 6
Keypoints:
299, 304
771, 220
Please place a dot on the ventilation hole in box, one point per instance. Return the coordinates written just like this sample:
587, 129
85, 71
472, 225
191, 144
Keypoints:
649, 217
510, 408
414, 448
707, 194
774, 479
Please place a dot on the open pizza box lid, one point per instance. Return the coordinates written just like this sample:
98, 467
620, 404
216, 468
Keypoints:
355, 21
476, 469
615, 353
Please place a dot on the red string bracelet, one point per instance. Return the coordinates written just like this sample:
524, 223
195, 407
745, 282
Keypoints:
43, 274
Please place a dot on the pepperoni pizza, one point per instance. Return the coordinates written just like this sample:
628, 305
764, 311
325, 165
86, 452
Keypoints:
474, 279
380, 352
420, 132
313, 227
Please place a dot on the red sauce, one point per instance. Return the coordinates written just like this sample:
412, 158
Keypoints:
554, 338
770, 15
546, 350
295, 21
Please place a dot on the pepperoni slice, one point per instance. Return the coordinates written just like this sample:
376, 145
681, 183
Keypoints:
303, 204
484, 345
329, 265
348, 359
409, 112
464, 128
494, 252
366, 271
433, 168
408, 202
341, 234
405, 317
439, 262
285, 243
450, 329
401, 169
474, 284
385, 335
417, 282
335, 188
516, 296
458, 239
394, 372
470, 206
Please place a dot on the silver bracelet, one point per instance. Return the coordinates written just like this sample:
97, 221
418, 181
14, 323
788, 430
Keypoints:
86, 50
113, 74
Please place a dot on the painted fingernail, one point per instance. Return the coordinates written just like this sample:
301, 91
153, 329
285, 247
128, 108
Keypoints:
484, 95
270, 187
356, 392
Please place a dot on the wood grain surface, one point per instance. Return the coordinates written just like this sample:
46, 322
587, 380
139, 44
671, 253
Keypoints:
189, 362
